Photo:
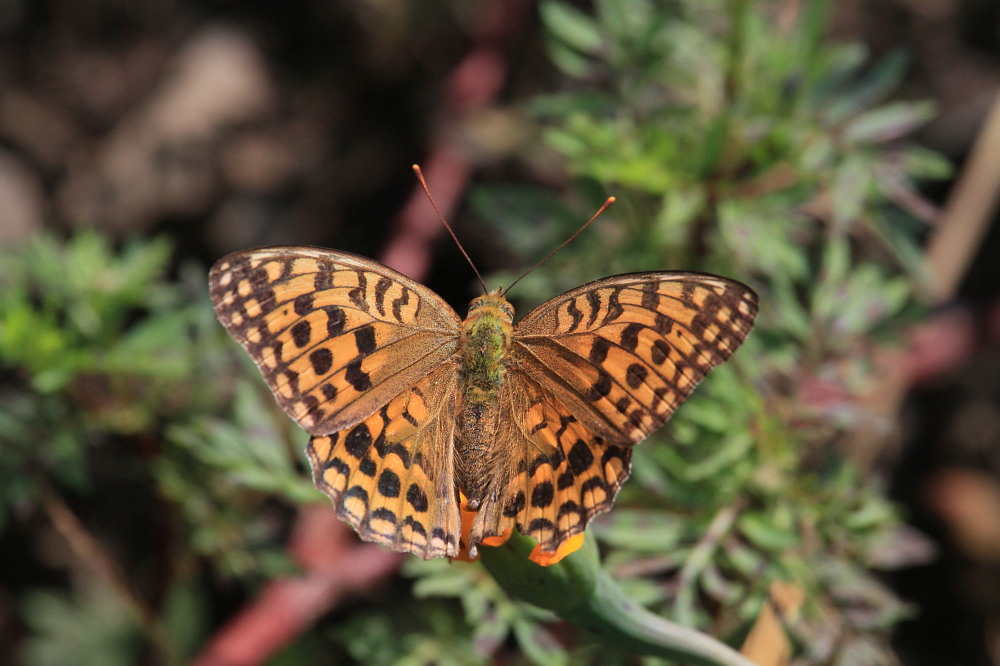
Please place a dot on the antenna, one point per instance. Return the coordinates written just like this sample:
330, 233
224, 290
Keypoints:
423, 183
604, 207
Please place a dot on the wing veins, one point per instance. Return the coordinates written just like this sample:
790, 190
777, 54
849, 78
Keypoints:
397, 324
668, 382
703, 357
394, 373
556, 378
332, 371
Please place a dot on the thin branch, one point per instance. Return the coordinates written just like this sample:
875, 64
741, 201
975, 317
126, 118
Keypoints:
90, 551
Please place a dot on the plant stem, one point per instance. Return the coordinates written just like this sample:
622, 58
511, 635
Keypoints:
90, 551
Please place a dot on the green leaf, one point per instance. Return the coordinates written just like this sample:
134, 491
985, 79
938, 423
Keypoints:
888, 122
921, 163
539, 645
94, 623
570, 26
763, 532
572, 38
643, 530
851, 186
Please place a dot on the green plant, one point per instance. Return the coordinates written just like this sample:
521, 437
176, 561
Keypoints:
117, 388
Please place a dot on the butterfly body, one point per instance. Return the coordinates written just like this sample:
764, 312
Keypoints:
485, 346
408, 405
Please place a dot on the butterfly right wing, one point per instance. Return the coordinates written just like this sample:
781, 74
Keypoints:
392, 475
336, 336
596, 370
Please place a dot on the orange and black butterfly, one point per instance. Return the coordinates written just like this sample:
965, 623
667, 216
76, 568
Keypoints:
409, 405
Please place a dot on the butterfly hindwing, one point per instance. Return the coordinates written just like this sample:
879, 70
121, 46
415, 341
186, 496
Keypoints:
392, 475
335, 335
559, 475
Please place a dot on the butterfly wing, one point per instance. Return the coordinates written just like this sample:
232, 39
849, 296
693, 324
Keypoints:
362, 358
558, 473
599, 368
392, 475
624, 352
336, 336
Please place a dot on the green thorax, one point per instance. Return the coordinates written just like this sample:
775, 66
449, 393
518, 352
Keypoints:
486, 334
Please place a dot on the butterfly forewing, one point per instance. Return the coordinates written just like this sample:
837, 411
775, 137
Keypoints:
627, 350
335, 335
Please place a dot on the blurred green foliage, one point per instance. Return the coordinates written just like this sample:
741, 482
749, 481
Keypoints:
738, 140
111, 372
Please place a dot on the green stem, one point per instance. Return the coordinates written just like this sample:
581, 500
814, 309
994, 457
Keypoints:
582, 593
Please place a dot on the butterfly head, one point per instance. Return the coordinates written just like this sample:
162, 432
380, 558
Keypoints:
492, 305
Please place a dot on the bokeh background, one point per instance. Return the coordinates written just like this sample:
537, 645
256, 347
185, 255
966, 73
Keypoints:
156, 507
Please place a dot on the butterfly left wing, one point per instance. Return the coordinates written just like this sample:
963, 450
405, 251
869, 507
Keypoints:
596, 370
363, 358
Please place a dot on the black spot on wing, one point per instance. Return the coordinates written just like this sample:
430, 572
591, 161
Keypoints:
417, 498
615, 309
321, 360
514, 505
388, 483
660, 352
650, 297
303, 304
382, 513
636, 375
542, 495
324, 278
398, 303
601, 387
630, 336
594, 303
663, 324
357, 377
358, 440
301, 334
364, 339
357, 294
579, 457
335, 320
599, 350
381, 287
574, 314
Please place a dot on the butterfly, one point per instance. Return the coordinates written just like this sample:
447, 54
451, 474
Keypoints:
411, 408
